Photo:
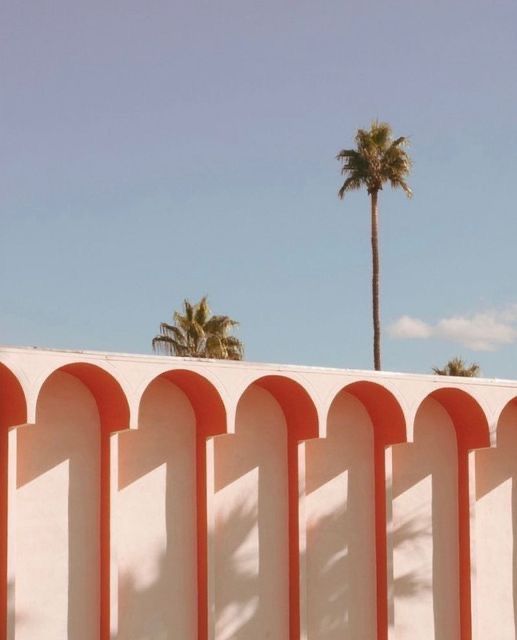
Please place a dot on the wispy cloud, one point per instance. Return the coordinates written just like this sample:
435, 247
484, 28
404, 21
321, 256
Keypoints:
486, 331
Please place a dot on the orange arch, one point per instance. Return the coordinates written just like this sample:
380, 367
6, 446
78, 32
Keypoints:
113, 410
469, 419
205, 399
110, 398
296, 403
13, 404
382, 406
211, 420
13, 412
389, 427
472, 432
302, 424
511, 404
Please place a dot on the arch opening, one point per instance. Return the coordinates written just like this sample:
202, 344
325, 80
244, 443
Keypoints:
13, 404
257, 499
340, 511
63, 462
154, 505
388, 427
13, 412
495, 530
431, 504
184, 410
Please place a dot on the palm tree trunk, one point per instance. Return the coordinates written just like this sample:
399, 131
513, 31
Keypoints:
375, 284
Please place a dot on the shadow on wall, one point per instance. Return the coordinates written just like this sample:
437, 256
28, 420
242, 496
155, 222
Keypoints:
341, 553
155, 510
253, 514
412, 533
340, 510
235, 528
238, 612
18, 619
496, 530
250, 539
58, 473
238, 608
426, 576
341, 543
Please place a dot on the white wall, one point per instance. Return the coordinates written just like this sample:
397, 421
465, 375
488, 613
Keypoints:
251, 524
425, 543
494, 562
340, 511
155, 514
56, 517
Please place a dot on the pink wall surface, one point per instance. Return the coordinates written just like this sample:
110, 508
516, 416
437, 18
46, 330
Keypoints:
425, 524
155, 520
340, 511
55, 508
251, 559
155, 498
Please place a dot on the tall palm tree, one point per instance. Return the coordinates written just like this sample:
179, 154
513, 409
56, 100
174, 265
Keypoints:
377, 159
458, 367
199, 334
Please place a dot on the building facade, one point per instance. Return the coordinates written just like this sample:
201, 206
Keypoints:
157, 498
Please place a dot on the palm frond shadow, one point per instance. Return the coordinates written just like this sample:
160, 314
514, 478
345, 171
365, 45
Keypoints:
135, 620
15, 619
333, 576
238, 608
339, 576
238, 605
141, 619
413, 532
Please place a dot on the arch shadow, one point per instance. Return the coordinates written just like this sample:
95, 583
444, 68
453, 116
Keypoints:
302, 424
113, 415
340, 514
389, 427
471, 432
299, 414
495, 545
210, 420
13, 412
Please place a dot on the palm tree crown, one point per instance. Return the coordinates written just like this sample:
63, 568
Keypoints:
458, 367
377, 159
199, 334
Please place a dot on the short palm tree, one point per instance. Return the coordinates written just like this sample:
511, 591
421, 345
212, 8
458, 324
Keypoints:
199, 334
458, 367
377, 159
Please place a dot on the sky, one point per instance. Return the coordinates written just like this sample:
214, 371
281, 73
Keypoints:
155, 151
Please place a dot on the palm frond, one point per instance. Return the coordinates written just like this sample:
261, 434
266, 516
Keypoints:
350, 184
234, 348
376, 160
220, 325
197, 333
346, 154
214, 347
169, 346
458, 367
381, 134
400, 142
201, 311
171, 331
402, 184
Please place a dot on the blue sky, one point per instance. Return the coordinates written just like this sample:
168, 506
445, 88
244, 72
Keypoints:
162, 150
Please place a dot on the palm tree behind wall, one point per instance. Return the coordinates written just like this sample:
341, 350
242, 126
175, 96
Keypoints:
377, 159
199, 334
458, 367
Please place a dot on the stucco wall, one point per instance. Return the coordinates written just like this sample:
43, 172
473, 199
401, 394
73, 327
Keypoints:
152, 498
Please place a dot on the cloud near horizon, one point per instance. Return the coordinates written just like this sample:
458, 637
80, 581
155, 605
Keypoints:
485, 331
